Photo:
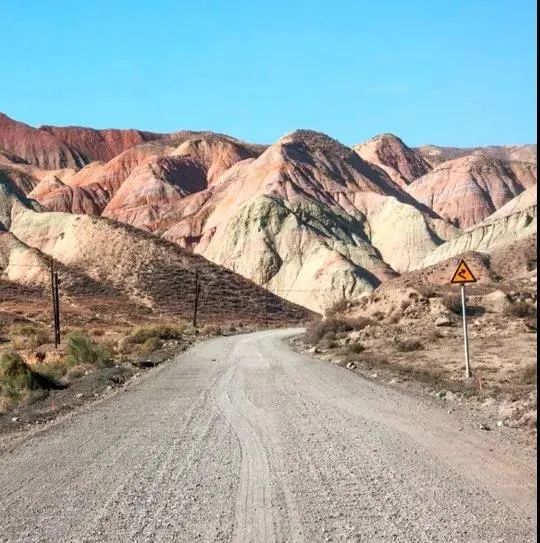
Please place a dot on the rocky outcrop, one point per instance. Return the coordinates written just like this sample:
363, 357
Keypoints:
12, 201
401, 163
467, 190
525, 200
488, 236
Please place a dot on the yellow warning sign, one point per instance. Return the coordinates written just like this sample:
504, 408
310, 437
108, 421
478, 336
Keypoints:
463, 274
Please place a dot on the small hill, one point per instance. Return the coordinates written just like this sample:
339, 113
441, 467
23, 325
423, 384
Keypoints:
151, 272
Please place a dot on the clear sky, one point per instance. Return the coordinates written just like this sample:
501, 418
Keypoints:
449, 72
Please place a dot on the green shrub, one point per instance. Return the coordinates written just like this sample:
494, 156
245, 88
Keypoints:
82, 350
15, 375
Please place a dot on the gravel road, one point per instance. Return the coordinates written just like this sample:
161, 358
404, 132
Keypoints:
241, 439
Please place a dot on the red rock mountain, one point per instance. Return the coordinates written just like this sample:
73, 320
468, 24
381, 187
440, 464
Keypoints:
101, 145
307, 217
400, 162
53, 148
467, 190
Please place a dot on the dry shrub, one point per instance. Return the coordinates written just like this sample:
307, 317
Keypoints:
322, 329
212, 330
150, 345
337, 307
527, 375
408, 345
427, 291
406, 303
452, 302
355, 348
160, 331
395, 317
27, 336
520, 310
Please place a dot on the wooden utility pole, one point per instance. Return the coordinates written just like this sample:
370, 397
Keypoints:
57, 304
54, 305
196, 304
266, 306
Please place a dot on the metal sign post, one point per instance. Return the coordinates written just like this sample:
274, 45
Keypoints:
462, 276
465, 334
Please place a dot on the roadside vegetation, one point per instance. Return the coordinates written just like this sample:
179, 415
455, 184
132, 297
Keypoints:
30, 366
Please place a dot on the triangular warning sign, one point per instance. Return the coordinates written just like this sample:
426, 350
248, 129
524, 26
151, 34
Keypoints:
463, 274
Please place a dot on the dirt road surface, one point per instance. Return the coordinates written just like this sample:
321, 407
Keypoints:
240, 439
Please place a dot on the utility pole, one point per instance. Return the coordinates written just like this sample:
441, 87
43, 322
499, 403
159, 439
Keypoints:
57, 303
54, 305
196, 304
266, 306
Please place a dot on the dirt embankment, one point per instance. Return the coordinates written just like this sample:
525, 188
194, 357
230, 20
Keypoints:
413, 337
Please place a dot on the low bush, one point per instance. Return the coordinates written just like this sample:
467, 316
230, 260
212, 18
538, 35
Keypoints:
318, 330
337, 307
16, 377
82, 350
160, 331
395, 317
527, 374
29, 336
405, 303
520, 310
408, 345
452, 302
150, 345
355, 348
212, 330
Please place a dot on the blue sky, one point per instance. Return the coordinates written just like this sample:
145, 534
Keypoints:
452, 72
